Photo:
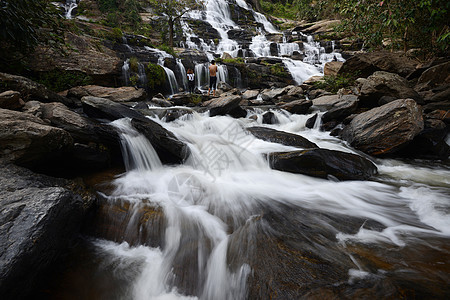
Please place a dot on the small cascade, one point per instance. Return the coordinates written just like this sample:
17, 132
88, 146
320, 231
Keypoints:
142, 75
287, 49
201, 75
222, 73
171, 80
260, 45
183, 73
126, 72
260, 18
69, 7
138, 153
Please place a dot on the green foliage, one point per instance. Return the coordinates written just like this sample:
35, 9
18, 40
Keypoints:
171, 12
422, 23
156, 76
278, 70
22, 21
235, 61
196, 99
60, 80
134, 79
310, 10
117, 34
334, 83
134, 64
107, 5
167, 49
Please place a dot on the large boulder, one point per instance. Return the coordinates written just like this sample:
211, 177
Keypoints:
120, 94
169, 148
346, 106
103, 108
28, 140
386, 129
297, 106
281, 137
11, 100
323, 163
30, 90
365, 64
326, 102
434, 76
332, 68
40, 219
85, 56
384, 84
222, 105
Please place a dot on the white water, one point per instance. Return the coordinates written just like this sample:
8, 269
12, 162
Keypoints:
69, 7
225, 181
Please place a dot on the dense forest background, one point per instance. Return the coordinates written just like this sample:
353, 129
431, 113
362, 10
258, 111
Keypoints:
393, 24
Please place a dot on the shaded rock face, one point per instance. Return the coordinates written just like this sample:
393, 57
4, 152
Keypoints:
102, 108
323, 163
435, 76
121, 94
281, 137
31, 90
11, 100
297, 106
86, 56
365, 64
222, 105
385, 84
386, 129
26, 139
168, 147
347, 105
40, 218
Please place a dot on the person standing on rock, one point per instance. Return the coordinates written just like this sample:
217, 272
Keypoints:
212, 77
191, 80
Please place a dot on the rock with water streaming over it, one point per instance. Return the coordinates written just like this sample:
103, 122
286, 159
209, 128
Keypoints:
324, 163
169, 148
40, 217
120, 94
385, 129
281, 137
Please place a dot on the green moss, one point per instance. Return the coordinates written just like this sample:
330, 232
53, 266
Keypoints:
196, 99
335, 83
278, 70
60, 80
134, 64
167, 48
236, 61
156, 76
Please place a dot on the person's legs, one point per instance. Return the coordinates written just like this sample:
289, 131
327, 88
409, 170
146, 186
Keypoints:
213, 84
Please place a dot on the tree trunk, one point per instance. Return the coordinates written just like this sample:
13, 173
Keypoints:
171, 24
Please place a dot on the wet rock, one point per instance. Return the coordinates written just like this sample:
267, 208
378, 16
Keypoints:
250, 94
347, 105
30, 90
121, 94
281, 137
326, 102
238, 112
27, 140
386, 129
311, 121
365, 64
40, 219
323, 163
313, 94
102, 108
272, 94
169, 148
189, 57
182, 99
222, 105
269, 118
385, 84
296, 107
434, 76
11, 100
332, 68
295, 91
160, 100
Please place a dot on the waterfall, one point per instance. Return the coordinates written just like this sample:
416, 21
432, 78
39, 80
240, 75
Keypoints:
201, 75
126, 72
222, 73
142, 75
137, 151
183, 73
69, 7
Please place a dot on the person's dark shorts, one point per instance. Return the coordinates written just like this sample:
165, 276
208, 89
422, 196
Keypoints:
212, 82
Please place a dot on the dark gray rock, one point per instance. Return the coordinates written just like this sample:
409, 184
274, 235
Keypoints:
269, 118
385, 129
281, 137
296, 107
323, 163
102, 108
169, 148
40, 219
222, 105
347, 105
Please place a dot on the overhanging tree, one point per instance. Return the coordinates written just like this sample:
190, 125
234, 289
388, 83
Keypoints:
173, 10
